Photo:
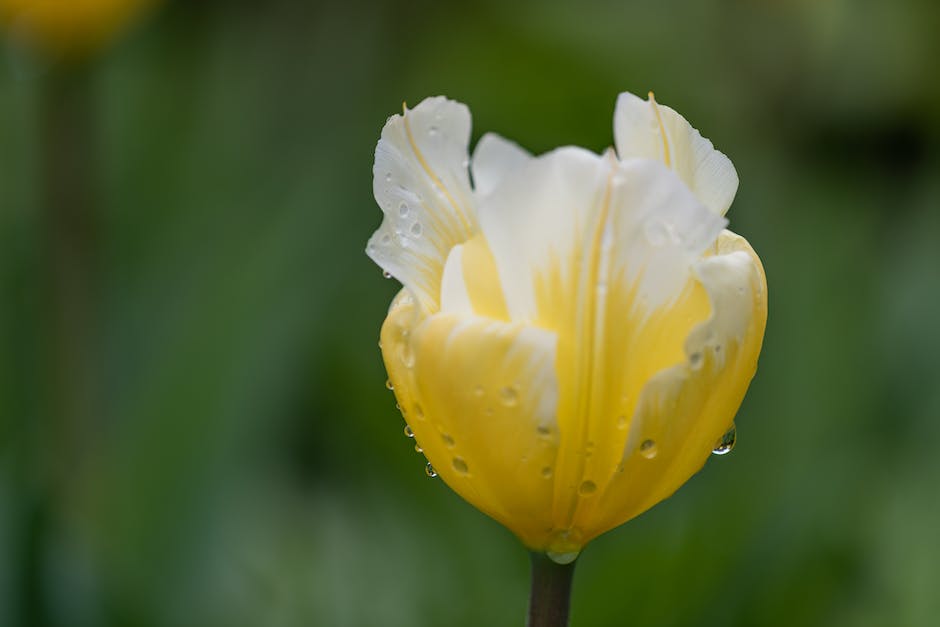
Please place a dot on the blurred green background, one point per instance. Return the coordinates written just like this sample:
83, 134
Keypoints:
194, 429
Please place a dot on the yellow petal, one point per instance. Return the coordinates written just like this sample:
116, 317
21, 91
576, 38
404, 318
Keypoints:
480, 397
421, 183
648, 130
684, 409
606, 256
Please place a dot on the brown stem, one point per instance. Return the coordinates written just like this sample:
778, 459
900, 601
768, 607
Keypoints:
550, 595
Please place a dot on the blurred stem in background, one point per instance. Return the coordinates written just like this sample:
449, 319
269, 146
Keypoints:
68, 237
550, 596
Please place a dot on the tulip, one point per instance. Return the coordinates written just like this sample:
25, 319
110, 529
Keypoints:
576, 331
68, 28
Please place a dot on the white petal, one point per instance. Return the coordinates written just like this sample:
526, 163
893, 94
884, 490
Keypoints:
536, 216
421, 183
454, 295
653, 131
636, 218
493, 158
659, 230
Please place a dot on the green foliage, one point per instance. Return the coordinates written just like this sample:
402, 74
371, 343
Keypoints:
209, 442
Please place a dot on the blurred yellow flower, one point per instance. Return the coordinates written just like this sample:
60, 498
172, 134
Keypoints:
576, 331
70, 28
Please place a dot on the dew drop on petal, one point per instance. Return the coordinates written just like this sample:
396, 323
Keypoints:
388, 177
386, 274
388, 385
587, 488
419, 412
695, 360
429, 470
408, 432
648, 449
544, 430
418, 448
726, 443
448, 440
386, 239
546, 472
565, 547
417, 229
432, 131
403, 209
460, 466
406, 355
563, 558
509, 396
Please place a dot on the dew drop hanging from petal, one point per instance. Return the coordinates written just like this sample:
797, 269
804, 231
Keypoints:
429, 470
726, 443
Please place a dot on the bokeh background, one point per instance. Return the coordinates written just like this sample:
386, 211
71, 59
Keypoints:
194, 429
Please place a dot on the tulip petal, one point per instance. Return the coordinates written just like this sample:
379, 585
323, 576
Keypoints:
684, 409
493, 158
535, 220
480, 397
421, 183
652, 131
607, 262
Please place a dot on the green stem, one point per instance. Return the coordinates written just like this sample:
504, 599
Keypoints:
550, 596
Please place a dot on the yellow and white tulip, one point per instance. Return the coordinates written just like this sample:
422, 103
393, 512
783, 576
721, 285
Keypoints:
576, 331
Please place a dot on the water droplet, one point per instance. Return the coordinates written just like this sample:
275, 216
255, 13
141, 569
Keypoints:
546, 472
418, 448
587, 488
432, 131
419, 412
563, 558
388, 385
417, 229
386, 239
648, 449
460, 466
509, 396
388, 177
727, 441
565, 546
544, 430
448, 440
695, 360
408, 432
406, 355
622, 422
429, 470
478, 391
386, 274
403, 209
